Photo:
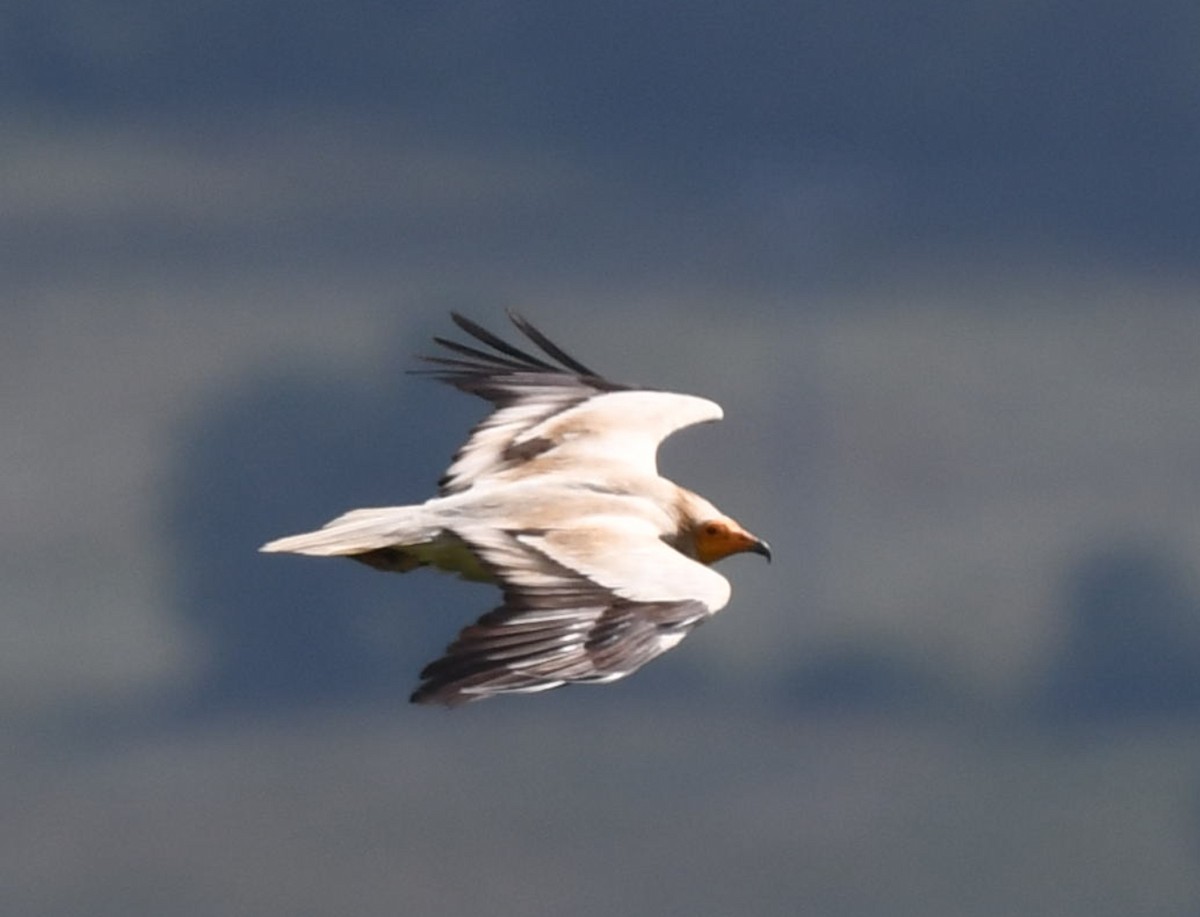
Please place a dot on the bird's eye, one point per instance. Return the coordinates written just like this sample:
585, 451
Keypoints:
712, 530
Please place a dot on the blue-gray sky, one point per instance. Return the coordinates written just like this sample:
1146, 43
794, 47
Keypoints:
938, 263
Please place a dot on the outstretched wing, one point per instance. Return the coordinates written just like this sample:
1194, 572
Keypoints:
551, 410
585, 605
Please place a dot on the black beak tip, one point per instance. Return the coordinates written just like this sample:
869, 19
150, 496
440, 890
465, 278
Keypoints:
761, 547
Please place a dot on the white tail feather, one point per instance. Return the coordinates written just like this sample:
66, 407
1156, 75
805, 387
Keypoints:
358, 531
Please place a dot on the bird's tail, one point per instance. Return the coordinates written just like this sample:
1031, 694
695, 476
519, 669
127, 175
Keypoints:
375, 536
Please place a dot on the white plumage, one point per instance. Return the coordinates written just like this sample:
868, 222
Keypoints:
556, 498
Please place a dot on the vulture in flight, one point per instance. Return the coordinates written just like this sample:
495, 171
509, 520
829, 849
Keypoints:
556, 499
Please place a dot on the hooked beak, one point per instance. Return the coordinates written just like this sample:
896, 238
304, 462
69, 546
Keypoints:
761, 547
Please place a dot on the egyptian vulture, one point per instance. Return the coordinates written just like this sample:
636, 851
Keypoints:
556, 498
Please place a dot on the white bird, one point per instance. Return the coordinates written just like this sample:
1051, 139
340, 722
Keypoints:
556, 498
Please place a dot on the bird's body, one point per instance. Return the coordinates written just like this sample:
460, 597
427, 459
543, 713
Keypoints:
556, 498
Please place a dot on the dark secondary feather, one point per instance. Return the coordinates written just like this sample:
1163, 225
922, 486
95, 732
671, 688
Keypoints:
563, 629
525, 388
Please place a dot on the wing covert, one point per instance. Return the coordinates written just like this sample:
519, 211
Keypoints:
551, 409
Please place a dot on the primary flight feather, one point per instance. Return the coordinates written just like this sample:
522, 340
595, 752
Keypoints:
556, 498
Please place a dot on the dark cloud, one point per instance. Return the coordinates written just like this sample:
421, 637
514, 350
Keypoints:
1132, 647
1059, 118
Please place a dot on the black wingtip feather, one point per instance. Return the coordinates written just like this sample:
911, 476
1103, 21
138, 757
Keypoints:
477, 354
490, 372
482, 334
548, 346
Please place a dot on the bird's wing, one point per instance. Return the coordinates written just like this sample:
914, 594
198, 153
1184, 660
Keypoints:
581, 605
552, 412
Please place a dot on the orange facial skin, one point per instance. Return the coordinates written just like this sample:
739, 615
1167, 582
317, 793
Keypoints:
718, 538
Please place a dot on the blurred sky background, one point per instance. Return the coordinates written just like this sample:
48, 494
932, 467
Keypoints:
938, 261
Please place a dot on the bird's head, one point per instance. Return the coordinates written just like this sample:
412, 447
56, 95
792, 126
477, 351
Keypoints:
720, 536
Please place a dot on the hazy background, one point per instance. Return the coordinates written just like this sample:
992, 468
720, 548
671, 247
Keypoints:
939, 262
